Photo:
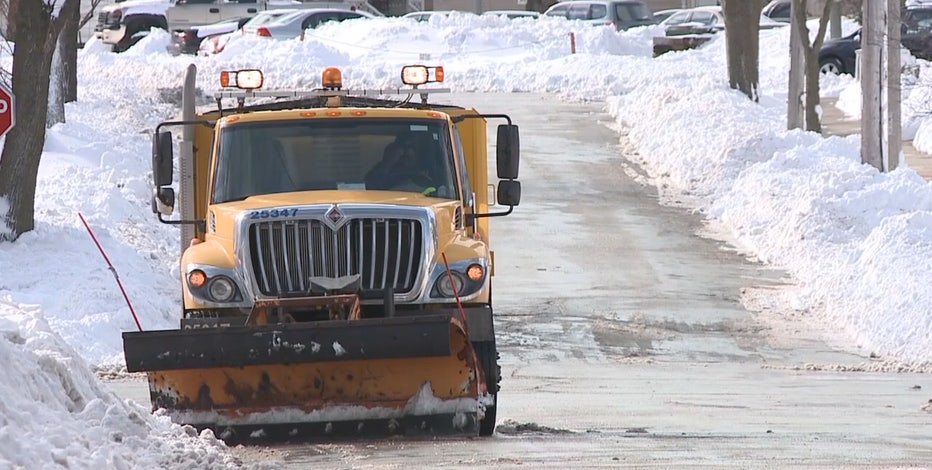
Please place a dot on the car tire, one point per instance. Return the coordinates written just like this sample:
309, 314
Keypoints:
831, 65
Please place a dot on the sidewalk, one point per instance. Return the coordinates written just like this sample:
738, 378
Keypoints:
834, 122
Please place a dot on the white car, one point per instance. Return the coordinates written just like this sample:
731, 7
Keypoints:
265, 17
512, 14
705, 20
425, 15
294, 24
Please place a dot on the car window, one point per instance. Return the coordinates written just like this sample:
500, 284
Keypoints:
918, 20
598, 11
579, 11
702, 17
678, 18
264, 18
348, 15
781, 10
559, 10
632, 12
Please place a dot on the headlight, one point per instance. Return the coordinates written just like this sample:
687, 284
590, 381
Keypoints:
221, 289
468, 275
447, 288
213, 286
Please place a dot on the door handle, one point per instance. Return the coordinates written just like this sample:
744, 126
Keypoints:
214, 10
251, 10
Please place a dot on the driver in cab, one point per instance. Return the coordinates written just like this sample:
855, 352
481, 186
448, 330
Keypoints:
404, 167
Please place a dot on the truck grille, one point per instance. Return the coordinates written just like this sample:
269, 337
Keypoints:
386, 252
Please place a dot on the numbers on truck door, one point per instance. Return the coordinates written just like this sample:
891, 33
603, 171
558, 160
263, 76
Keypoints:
272, 213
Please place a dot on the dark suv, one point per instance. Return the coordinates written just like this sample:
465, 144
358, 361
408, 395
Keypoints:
838, 56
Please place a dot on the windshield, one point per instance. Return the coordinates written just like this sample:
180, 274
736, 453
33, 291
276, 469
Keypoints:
411, 155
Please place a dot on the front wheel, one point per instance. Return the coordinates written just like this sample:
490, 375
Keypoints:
831, 65
487, 354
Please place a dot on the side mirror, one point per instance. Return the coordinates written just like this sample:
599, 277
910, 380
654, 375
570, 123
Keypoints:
509, 192
163, 201
507, 151
162, 157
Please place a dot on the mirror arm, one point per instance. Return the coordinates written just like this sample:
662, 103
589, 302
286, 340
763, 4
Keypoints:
463, 117
203, 122
200, 223
470, 218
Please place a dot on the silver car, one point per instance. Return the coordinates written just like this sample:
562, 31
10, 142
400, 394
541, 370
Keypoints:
265, 17
293, 25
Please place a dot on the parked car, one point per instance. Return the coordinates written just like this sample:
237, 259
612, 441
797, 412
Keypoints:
512, 14
693, 27
263, 18
839, 56
778, 10
426, 15
622, 14
188, 41
294, 24
705, 20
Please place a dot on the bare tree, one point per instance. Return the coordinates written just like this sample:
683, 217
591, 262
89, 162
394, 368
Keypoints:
36, 24
742, 29
810, 52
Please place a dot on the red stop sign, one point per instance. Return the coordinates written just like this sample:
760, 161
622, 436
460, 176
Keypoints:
7, 118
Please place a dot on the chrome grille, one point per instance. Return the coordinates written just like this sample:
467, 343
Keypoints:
285, 254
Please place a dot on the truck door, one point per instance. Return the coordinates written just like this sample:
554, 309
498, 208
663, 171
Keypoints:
240, 8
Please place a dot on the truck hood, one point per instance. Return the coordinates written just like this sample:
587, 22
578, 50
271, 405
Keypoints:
282, 200
139, 7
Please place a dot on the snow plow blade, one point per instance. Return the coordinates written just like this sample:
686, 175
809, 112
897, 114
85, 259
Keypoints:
412, 375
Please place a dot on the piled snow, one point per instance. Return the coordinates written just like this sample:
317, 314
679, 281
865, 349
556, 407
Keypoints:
55, 414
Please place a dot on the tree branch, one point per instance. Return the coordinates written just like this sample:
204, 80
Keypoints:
823, 25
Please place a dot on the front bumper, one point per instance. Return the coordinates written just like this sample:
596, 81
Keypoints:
109, 35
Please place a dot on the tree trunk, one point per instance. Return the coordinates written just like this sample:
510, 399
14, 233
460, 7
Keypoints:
11, 13
56, 111
742, 29
811, 53
36, 37
813, 121
69, 56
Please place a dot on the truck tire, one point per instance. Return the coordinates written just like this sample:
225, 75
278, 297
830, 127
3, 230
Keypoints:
487, 354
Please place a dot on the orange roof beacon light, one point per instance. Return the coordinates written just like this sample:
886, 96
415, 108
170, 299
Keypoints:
415, 75
332, 79
243, 79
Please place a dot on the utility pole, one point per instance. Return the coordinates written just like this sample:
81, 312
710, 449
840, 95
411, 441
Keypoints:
794, 96
892, 89
871, 81
881, 128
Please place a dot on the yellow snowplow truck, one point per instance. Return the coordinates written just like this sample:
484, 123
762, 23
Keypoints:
336, 275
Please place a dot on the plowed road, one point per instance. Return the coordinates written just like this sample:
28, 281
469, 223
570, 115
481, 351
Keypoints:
628, 340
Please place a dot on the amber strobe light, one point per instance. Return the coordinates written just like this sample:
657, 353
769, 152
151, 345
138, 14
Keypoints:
197, 278
332, 78
475, 272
